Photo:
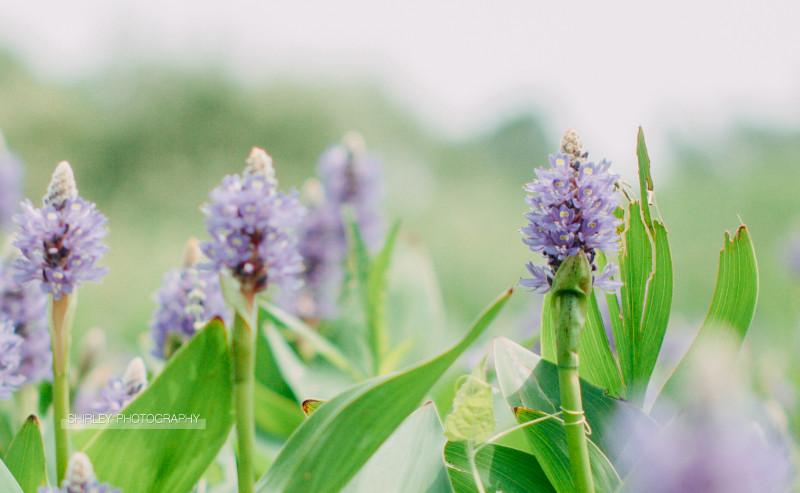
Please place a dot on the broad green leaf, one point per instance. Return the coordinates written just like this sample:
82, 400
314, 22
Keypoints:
549, 446
196, 381
527, 380
306, 380
548, 335
597, 364
268, 372
25, 456
6, 431
275, 414
735, 296
657, 308
636, 264
645, 178
409, 461
330, 447
501, 469
327, 350
7, 482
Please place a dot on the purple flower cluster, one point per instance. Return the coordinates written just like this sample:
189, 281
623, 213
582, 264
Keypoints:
10, 184
350, 180
189, 297
351, 177
62, 241
252, 227
572, 207
10, 359
25, 307
80, 478
120, 391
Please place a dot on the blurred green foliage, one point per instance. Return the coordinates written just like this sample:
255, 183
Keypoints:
148, 142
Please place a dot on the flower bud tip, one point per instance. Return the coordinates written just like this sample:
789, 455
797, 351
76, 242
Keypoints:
571, 144
192, 253
62, 186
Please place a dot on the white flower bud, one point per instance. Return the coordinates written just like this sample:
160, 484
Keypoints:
354, 143
135, 377
571, 144
192, 253
62, 186
260, 162
79, 472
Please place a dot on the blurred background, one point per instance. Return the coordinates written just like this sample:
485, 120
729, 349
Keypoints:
153, 102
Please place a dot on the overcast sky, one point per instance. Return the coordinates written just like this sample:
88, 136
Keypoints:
602, 67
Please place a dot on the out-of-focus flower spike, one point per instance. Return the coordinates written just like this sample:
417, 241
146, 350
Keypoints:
10, 358
135, 377
80, 478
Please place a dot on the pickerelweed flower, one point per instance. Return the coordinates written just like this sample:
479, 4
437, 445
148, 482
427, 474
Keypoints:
188, 298
253, 227
10, 359
120, 391
25, 307
351, 177
80, 478
323, 247
10, 184
572, 207
62, 241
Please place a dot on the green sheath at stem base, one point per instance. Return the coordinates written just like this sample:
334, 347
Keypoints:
244, 338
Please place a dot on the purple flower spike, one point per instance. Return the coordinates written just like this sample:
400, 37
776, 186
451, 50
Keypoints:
252, 227
80, 478
352, 177
10, 184
25, 306
572, 207
120, 391
323, 246
189, 297
10, 359
62, 241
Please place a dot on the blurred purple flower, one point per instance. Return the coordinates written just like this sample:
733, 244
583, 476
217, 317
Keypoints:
707, 453
253, 227
10, 184
10, 359
572, 207
188, 298
120, 391
25, 306
62, 241
351, 177
80, 478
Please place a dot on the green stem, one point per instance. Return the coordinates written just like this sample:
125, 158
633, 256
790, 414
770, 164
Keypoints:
244, 338
569, 318
60, 328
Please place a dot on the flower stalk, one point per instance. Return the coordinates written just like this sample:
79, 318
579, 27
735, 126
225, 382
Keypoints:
243, 349
570, 293
62, 312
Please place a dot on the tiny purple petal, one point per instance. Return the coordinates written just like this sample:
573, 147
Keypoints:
10, 358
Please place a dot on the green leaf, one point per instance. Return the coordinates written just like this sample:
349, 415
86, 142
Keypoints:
501, 469
25, 456
735, 297
268, 372
7, 482
329, 448
645, 178
548, 333
597, 363
410, 461
322, 346
527, 380
275, 414
548, 442
196, 381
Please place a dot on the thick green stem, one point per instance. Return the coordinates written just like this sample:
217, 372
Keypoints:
244, 338
60, 328
570, 316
